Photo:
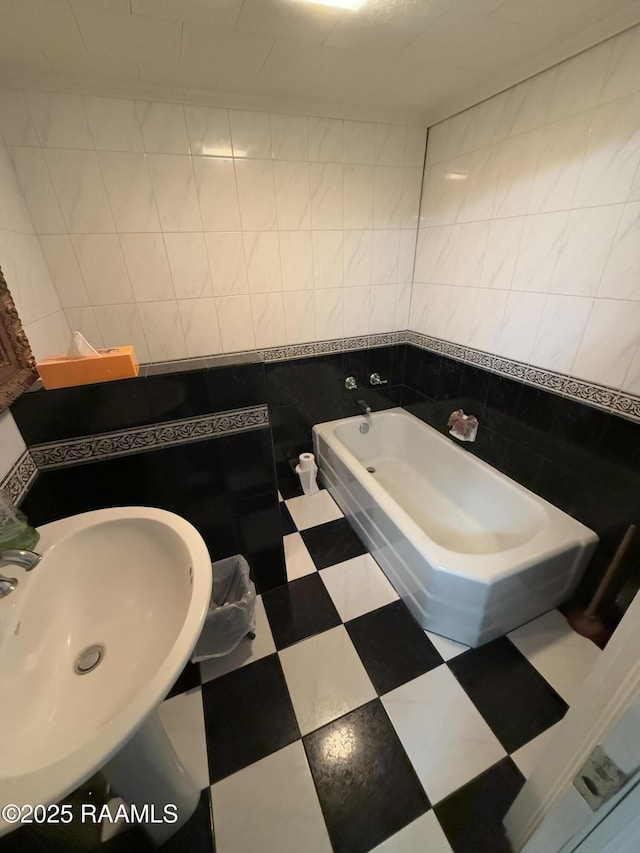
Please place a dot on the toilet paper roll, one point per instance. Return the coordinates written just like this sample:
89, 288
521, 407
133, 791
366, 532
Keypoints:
307, 462
307, 470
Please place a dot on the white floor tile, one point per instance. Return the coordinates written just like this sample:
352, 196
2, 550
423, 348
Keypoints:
118, 824
358, 586
246, 652
447, 648
563, 657
445, 737
310, 510
528, 756
424, 834
270, 807
280, 498
296, 557
326, 678
183, 719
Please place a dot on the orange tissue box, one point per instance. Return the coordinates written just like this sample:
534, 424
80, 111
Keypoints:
113, 363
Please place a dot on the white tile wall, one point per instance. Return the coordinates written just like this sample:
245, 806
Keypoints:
529, 240
196, 230
26, 270
27, 274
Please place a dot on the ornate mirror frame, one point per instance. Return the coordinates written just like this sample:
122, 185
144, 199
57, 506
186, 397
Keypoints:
17, 364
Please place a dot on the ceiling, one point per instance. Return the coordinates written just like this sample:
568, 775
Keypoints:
414, 60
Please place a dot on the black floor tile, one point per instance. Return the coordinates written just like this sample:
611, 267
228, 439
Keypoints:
196, 836
472, 816
130, 841
392, 646
331, 543
288, 525
268, 568
54, 838
188, 679
289, 487
247, 716
366, 785
299, 610
22, 839
509, 692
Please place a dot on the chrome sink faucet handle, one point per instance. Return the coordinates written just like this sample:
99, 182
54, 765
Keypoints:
350, 383
375, 379
7, 585
28, 560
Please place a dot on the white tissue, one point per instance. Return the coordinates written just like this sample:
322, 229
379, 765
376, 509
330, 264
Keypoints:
307, 470
80, 346
470, 436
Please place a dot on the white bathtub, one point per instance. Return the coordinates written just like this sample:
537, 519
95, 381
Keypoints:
472, 553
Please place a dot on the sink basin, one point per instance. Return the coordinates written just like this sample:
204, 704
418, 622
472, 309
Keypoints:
91, 641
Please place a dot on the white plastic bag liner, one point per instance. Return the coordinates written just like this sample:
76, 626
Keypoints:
232, 609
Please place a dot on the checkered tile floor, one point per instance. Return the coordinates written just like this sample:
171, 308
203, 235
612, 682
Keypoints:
343, 726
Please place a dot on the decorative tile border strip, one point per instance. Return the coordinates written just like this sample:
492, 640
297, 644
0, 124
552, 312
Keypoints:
91, 448
16, 482
282, 353
289, 351
598, 396
627, 405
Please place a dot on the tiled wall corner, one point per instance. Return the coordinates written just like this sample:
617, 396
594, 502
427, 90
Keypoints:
17, 468
529, 240
190, 230
12, 445
38, 305
23, 264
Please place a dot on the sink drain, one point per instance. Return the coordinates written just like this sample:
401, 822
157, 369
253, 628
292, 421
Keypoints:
89, 659
371, 469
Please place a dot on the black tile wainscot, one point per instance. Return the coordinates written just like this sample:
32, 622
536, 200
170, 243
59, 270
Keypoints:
192, 437
584, 460
307, 391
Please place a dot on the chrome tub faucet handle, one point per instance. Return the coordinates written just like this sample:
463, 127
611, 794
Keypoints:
375, 379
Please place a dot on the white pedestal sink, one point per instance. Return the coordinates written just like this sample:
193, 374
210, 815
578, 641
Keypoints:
122, 593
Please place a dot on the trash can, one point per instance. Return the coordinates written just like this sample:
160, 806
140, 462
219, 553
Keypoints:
232, 610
